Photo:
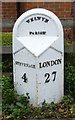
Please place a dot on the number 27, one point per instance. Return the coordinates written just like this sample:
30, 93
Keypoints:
47, 75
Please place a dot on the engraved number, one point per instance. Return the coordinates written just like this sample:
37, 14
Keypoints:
25, 78
48, 76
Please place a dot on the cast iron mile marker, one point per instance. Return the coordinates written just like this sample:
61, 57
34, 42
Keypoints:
38, 56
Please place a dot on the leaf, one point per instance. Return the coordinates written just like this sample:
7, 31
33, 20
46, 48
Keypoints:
8, 117
19, 104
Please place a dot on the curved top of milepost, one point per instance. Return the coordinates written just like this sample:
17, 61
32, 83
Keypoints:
38, 11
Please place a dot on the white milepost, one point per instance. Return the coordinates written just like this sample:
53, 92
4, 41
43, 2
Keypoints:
38, 56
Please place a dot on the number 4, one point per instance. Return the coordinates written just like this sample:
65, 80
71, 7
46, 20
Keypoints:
25, 78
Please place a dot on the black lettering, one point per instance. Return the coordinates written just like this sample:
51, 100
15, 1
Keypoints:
28, 21
25, 78
43, 18
39, 18
27, 65
41, 33
17, 63
32, 20
40, 66
54, 73
46, 20
59, 61
36, 33
48, 63
56, 62
24, 64
44, 64
35, 18
44, 33
47, 75
20, 63
52, 63
33, 66
31, 33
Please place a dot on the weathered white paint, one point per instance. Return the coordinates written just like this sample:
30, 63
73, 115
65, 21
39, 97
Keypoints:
38, 54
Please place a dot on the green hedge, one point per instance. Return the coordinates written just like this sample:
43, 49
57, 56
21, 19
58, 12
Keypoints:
69, 78
6, 38
7, 63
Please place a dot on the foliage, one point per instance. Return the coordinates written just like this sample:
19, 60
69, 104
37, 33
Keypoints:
12, 102
6, 38
7, 63
7, 90
70, 74
17, 107
68, 42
